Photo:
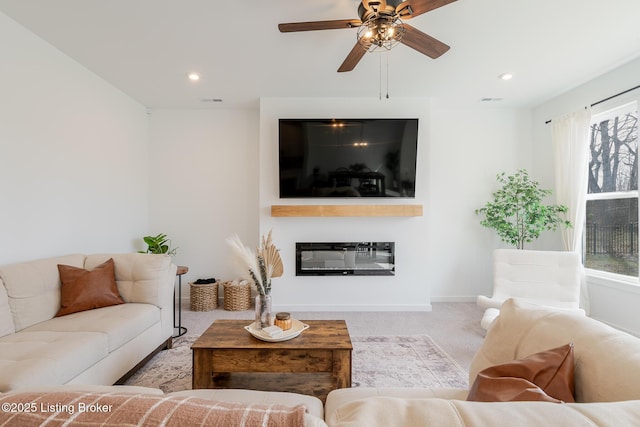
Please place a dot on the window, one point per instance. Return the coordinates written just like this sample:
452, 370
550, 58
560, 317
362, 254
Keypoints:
611, 229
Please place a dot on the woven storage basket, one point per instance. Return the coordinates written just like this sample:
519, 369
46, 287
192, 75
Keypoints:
237, 295
204, 297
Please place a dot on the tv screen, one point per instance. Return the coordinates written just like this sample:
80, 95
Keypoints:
347, 157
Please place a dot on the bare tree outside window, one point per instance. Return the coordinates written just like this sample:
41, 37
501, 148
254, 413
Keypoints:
611, 231
613, 164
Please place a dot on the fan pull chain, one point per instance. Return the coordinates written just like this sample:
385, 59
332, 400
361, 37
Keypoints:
387, 75
386, 55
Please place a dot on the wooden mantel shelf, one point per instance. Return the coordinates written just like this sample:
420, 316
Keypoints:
345, 210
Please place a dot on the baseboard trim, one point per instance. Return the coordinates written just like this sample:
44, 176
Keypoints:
455, 299
367, 307
351, 307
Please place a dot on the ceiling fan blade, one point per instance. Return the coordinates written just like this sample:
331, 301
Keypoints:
319, 25
412, 8
353, 58
422, 42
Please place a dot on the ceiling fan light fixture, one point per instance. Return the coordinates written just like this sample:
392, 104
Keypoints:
380, 31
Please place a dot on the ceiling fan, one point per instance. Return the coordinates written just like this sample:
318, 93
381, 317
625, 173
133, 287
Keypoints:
380, 25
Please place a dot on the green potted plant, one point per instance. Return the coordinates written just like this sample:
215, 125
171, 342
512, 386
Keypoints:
159, 244
517, 212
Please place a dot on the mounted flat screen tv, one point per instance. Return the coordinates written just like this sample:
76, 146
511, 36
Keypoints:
347, 157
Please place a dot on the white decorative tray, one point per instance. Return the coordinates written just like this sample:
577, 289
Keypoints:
296, 329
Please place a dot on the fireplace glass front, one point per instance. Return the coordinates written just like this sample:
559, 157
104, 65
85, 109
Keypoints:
345, 258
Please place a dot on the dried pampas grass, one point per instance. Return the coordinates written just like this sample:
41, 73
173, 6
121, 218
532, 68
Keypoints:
244, 260
271, 257
260, 267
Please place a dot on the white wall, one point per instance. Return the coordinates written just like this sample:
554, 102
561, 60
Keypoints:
611, 301
73, 155
443, 255
204, 185
470, 145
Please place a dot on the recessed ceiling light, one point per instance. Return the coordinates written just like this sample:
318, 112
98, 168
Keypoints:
505, 76
194, 77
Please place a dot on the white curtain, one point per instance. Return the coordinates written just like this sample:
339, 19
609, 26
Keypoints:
571, 144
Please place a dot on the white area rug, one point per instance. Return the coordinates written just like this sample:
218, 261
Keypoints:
378, 361
404, 361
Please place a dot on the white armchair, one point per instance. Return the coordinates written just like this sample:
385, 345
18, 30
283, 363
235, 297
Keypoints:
548, 278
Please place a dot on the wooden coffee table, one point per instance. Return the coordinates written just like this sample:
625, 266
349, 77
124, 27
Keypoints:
314, 363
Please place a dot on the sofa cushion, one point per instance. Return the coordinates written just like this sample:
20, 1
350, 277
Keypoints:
137, 275
546, 376
118, 323
6, 320
33, 288
46, 357
389, 411
606, 359
341, 396
87, 289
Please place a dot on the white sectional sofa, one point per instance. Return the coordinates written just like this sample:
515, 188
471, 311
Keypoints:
606, 368
98, 346
607, 388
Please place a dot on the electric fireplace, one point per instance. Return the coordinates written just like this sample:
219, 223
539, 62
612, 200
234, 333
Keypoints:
345, 258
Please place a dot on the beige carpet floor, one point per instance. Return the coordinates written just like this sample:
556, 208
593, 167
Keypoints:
454, 327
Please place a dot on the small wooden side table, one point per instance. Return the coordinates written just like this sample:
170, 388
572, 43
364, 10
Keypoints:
181, 329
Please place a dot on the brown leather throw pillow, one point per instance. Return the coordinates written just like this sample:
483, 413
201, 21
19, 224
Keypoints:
85, 290
545, 376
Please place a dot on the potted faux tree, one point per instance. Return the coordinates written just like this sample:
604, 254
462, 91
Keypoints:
517, 212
